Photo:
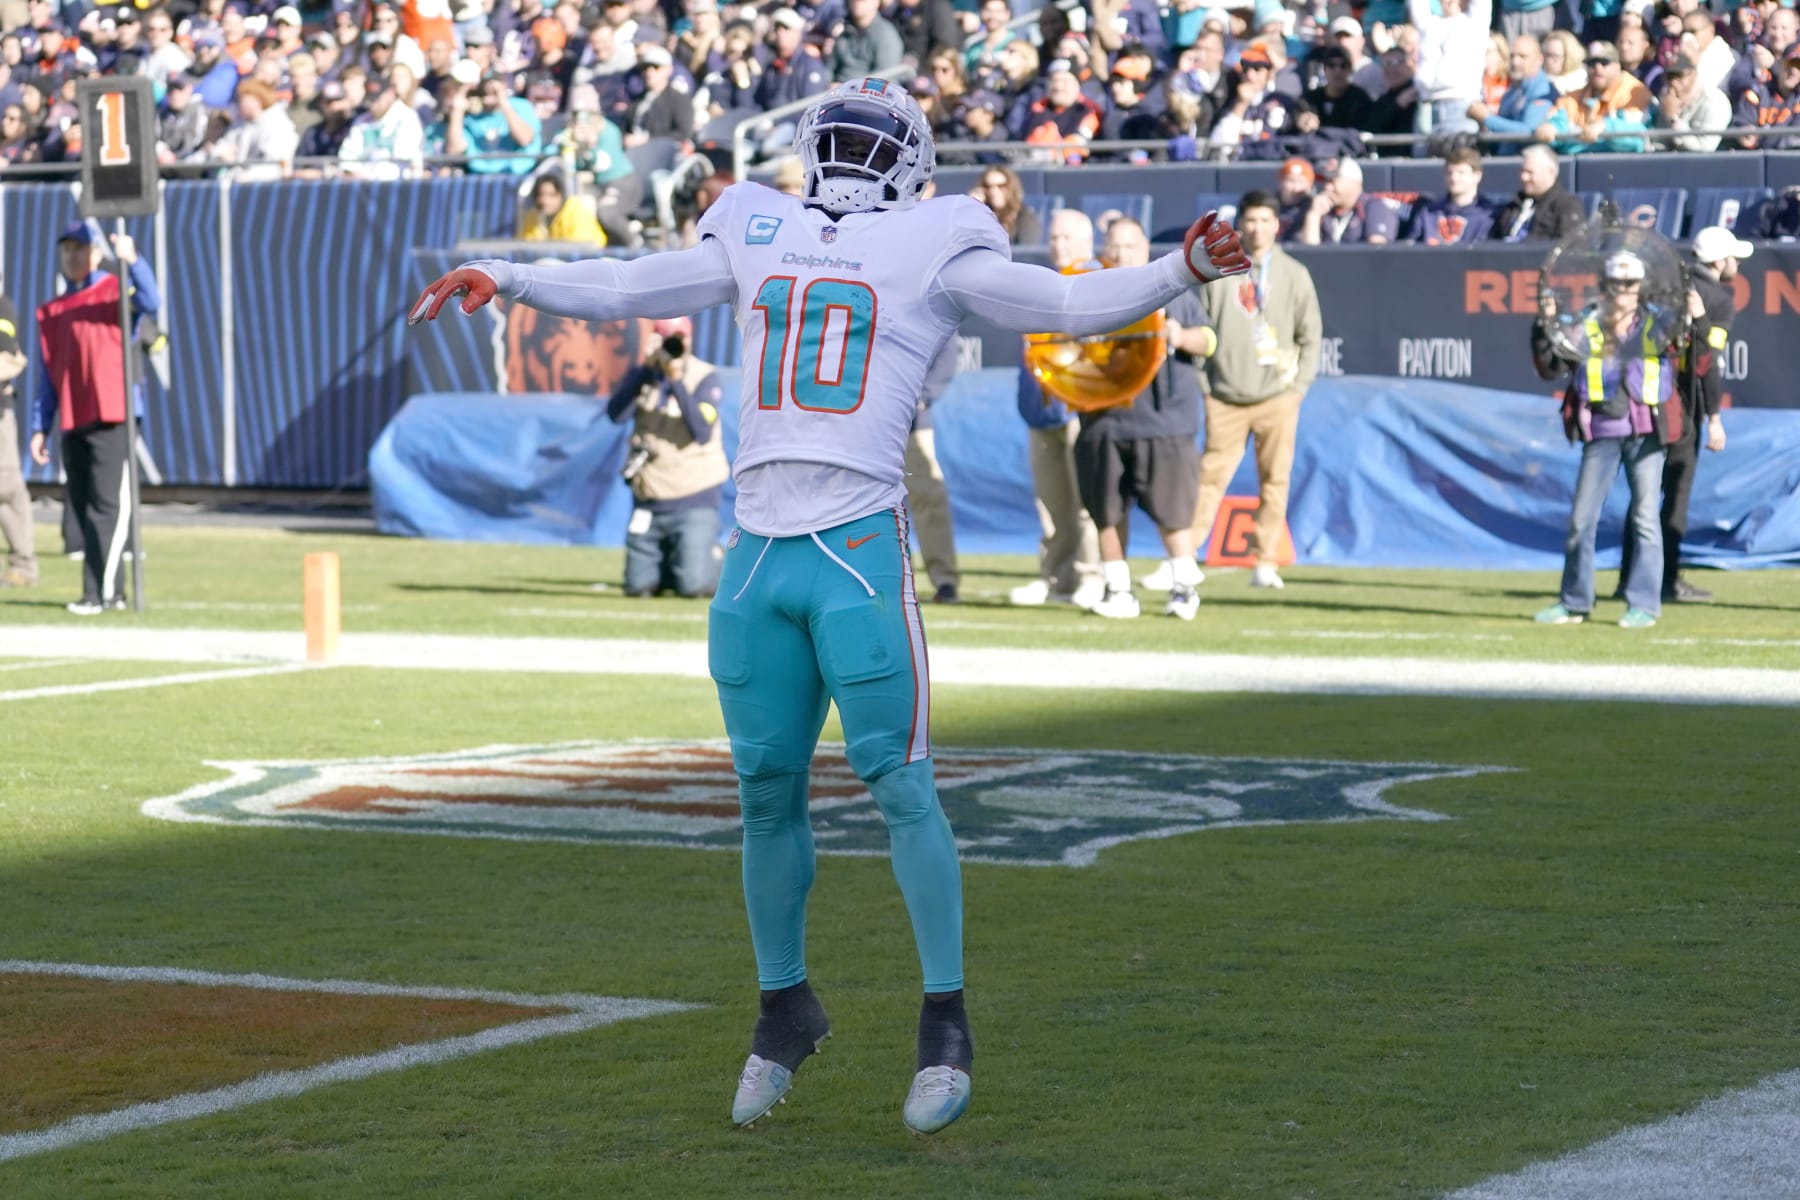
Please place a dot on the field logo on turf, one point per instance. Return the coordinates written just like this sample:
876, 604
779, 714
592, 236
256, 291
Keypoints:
1014, 807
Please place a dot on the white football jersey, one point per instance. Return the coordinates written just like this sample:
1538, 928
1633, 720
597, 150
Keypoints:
838, 329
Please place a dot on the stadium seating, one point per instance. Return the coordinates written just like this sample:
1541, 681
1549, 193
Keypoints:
1727, 206
1043, 204
1135, 205
1661, 209
1224, 203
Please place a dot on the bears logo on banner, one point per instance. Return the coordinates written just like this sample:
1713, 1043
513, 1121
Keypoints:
545, 353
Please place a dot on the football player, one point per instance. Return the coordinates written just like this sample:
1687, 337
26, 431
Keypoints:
844, 295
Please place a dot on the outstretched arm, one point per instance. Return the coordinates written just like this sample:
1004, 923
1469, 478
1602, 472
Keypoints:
1032, 299
671, 284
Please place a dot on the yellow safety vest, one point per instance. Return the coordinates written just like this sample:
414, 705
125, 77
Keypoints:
1596, 385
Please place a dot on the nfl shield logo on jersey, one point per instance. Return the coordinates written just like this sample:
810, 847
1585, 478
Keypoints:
828, 234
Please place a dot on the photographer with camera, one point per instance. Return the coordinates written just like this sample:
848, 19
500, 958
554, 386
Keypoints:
676, 467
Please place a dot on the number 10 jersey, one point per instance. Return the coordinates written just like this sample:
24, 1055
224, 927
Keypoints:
838, 321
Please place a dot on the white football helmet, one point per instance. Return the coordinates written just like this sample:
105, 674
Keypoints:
865, 145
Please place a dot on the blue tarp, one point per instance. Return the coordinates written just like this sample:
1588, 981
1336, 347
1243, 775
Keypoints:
1388, 472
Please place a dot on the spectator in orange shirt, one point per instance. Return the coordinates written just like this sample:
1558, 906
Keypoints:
426, 21
1612, 104
240, 43
1064, 118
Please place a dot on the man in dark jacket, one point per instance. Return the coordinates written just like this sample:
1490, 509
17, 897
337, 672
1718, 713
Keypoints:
793, 72
867, 44
664, 111
1339, 103
1463, 217
1619, 402
1711, 309
925, 25
1543, 210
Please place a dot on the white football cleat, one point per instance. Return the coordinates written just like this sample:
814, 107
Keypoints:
1030, 595
1265, 577
1162, 579
761, 1087
939, 1095
1122, 605
1088, 594
1184, 602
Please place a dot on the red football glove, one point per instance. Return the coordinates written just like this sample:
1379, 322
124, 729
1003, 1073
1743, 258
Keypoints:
478, 284
1213, 250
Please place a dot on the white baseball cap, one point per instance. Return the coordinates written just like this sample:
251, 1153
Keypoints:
1716, 242
1625, 266
287, 14
1344, 25
465, 73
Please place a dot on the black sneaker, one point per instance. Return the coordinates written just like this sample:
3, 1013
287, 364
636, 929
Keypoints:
947, 595
1686, 593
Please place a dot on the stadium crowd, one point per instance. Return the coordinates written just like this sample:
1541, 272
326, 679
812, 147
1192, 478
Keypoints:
374, 87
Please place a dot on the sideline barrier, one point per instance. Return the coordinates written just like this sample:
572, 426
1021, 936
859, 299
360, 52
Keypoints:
1387, 473
288, 349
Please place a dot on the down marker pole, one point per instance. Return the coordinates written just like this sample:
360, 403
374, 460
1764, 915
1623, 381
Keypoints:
324, 608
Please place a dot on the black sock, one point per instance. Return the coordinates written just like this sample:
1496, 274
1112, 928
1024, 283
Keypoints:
944, 1037
790, 1026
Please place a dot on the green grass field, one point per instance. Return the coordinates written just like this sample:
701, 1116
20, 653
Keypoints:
1600, 936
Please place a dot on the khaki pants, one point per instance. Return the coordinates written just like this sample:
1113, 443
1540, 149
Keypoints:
1272, 423
1069, 551
15, 500
929, 505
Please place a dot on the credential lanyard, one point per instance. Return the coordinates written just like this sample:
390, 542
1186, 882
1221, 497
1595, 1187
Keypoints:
1260, 283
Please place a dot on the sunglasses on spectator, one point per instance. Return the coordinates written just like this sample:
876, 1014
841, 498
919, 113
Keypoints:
994, 183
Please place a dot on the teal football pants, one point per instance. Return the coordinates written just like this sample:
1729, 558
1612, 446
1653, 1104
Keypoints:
797, 622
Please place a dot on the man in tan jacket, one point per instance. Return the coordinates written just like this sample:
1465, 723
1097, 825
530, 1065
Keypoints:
1269, 327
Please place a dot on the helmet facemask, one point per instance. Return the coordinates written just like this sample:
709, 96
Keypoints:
860, 155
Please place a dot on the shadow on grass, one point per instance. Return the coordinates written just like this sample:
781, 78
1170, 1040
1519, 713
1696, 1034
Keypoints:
1348, 950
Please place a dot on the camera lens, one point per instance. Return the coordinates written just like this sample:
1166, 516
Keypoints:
675, 346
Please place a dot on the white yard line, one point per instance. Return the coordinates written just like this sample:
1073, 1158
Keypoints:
1742, 1146
39, 664
252, 606
627, 617
581, 1012
149, 681
1377, 635
989, 666
605, 614
1692, 641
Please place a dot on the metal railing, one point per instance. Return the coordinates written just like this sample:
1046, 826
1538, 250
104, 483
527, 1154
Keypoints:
948, 152
44, 172
758, 126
